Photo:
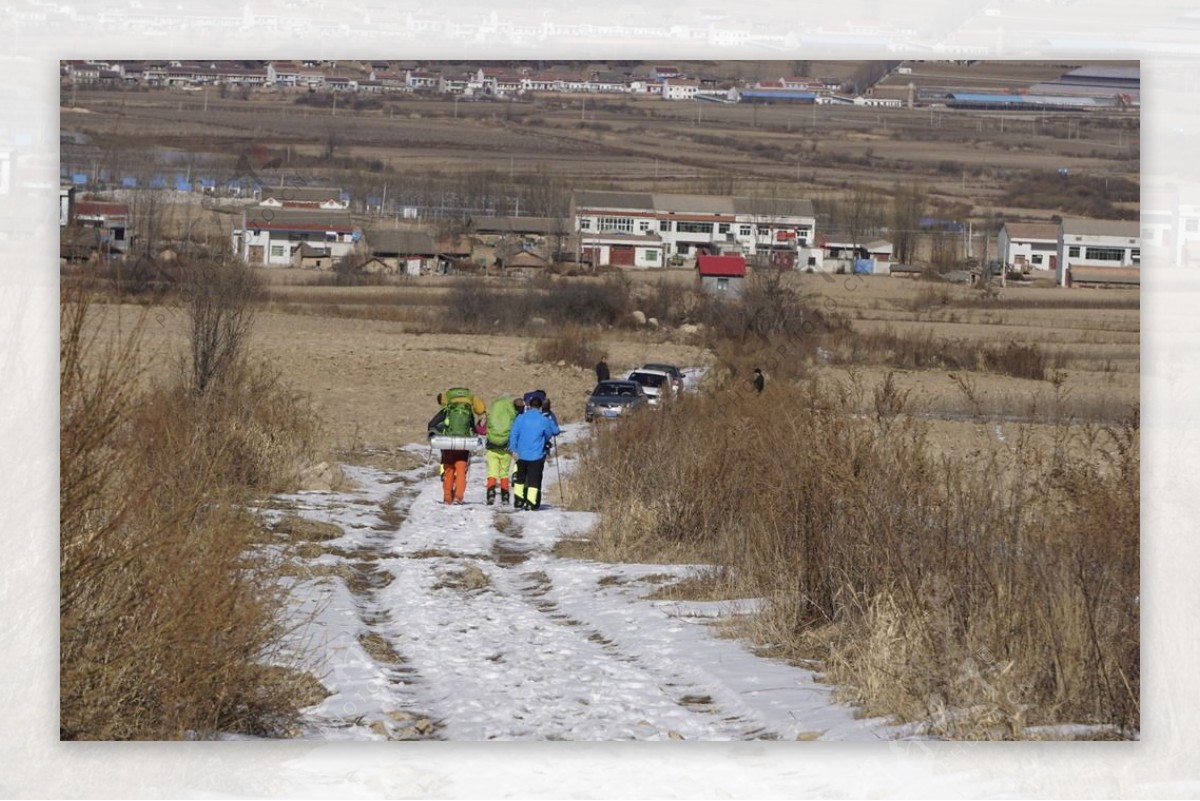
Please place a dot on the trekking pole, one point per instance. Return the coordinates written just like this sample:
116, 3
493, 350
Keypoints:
562, 498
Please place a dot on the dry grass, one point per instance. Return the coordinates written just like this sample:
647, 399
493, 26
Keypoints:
981, 593
921, 350
168, 605
571, 344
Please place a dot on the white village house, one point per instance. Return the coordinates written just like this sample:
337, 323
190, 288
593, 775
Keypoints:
304, 197
1099, 251
622, 249
1029, 246
776, 230
269, 237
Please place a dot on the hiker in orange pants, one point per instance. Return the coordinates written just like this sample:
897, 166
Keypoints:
460, 416
454, 475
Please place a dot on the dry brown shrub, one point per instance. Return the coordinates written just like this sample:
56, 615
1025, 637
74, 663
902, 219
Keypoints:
978, 593
169, 609
920, 350
570, 344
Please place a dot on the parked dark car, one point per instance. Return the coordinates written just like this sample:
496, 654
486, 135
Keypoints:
614, 398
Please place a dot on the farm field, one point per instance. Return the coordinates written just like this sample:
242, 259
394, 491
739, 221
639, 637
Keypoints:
965, 160
366, 358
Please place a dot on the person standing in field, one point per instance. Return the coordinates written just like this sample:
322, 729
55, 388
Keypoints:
528, 441
602, 373
759, 380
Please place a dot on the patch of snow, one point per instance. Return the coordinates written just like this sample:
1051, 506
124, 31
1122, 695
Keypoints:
464, 616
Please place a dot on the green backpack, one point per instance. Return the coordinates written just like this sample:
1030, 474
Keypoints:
459, 421
499, 421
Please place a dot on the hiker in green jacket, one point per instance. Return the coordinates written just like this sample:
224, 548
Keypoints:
499, 463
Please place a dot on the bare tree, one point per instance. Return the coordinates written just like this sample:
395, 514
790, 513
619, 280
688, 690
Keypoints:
870, 73
859, 212
908, 206
549, 195
943, 249
331, 144
147, 218
219, 295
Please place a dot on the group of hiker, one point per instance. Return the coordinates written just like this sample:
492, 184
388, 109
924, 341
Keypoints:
519, 432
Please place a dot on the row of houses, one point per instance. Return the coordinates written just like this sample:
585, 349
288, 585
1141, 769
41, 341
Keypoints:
1078, 89
664, 81
1082, 252
626, 229
312, 227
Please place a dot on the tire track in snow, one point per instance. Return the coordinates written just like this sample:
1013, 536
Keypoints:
502, 636
372, 683
687, 692
465, 613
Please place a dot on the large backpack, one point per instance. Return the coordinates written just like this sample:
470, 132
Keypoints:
459, 421
499, 421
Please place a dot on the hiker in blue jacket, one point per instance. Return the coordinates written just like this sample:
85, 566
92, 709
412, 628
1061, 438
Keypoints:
541, 393
528, 440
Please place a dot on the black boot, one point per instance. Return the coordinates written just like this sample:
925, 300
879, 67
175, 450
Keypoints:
491, 495
504, 496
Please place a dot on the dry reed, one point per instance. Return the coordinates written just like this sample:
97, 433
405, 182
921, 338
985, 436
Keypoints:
979, 595
169, 606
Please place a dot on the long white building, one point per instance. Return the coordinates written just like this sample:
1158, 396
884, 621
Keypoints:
1099, 251
780, 229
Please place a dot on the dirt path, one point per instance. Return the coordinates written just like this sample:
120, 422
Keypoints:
462, 623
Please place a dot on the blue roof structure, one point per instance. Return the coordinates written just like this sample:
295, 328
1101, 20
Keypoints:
1020, 100
775, 94
944, 225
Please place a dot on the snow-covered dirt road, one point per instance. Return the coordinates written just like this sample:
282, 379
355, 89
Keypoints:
428, 621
